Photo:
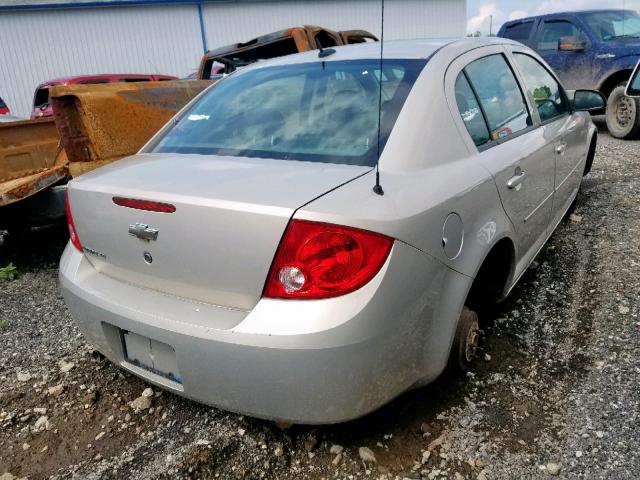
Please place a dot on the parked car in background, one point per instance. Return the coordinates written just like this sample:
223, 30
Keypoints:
594, 49
292, 40
42, 103
250, 264
4, 110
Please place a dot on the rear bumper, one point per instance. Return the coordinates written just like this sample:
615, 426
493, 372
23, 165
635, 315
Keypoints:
323, 361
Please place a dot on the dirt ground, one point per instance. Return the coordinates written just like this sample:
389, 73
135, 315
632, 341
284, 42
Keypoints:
553, 392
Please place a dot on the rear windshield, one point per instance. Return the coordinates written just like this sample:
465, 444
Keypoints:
2, 104
321, 112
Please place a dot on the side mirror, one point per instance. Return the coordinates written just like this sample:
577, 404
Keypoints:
633, 85
590, 101
572, 44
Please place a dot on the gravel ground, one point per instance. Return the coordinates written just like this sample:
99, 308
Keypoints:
554, 392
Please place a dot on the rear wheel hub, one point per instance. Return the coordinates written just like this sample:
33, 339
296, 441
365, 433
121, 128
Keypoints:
471, 342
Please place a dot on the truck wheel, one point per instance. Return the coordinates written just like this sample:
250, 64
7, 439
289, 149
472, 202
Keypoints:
465, 343
623, 114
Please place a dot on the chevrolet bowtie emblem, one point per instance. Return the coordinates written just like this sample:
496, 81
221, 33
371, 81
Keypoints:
143, 232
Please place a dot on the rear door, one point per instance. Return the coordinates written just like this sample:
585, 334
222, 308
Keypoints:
498, 118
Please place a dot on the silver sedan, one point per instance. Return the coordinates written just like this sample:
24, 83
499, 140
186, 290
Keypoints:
313, 235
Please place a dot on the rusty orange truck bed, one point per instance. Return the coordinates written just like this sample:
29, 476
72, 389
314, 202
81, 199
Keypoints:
31, 158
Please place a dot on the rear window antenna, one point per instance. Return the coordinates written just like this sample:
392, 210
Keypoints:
377, 188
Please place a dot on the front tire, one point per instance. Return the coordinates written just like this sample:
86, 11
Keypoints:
465, 343
623, 114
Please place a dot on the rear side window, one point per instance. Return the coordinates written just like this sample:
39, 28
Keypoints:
470, 111
545, 91
2, 104
499, 94
319, 111
519, 31
552, 31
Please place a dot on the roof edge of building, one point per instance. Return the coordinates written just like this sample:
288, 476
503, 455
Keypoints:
13, 5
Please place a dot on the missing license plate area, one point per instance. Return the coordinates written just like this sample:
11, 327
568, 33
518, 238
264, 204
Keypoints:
151, 355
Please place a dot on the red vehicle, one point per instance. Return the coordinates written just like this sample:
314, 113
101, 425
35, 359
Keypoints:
42, 105
4, 110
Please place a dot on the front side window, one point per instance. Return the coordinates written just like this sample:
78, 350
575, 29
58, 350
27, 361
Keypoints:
500, 96
614, 25
545, 91
552, 31
320, 111
470, 111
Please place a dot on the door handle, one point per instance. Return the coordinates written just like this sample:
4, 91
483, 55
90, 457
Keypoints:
516, 180
560, 149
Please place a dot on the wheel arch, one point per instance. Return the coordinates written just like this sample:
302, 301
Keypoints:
494, 275
454, 296
613, 80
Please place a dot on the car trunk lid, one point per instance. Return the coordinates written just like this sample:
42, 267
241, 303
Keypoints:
218, 245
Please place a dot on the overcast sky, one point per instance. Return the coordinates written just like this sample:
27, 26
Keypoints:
479, 11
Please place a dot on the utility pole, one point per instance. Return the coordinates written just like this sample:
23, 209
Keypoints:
490, 25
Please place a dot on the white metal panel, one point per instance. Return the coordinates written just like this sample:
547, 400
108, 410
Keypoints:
36, 46
227, 23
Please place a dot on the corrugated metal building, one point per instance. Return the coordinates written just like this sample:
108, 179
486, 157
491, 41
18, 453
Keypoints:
41, 41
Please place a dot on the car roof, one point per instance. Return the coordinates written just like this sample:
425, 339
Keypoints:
394, 49
567, 13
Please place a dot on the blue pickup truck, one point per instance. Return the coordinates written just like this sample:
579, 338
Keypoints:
595, 49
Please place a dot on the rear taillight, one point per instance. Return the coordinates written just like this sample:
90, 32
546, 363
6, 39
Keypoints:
320, 260
148, 205
73, 234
